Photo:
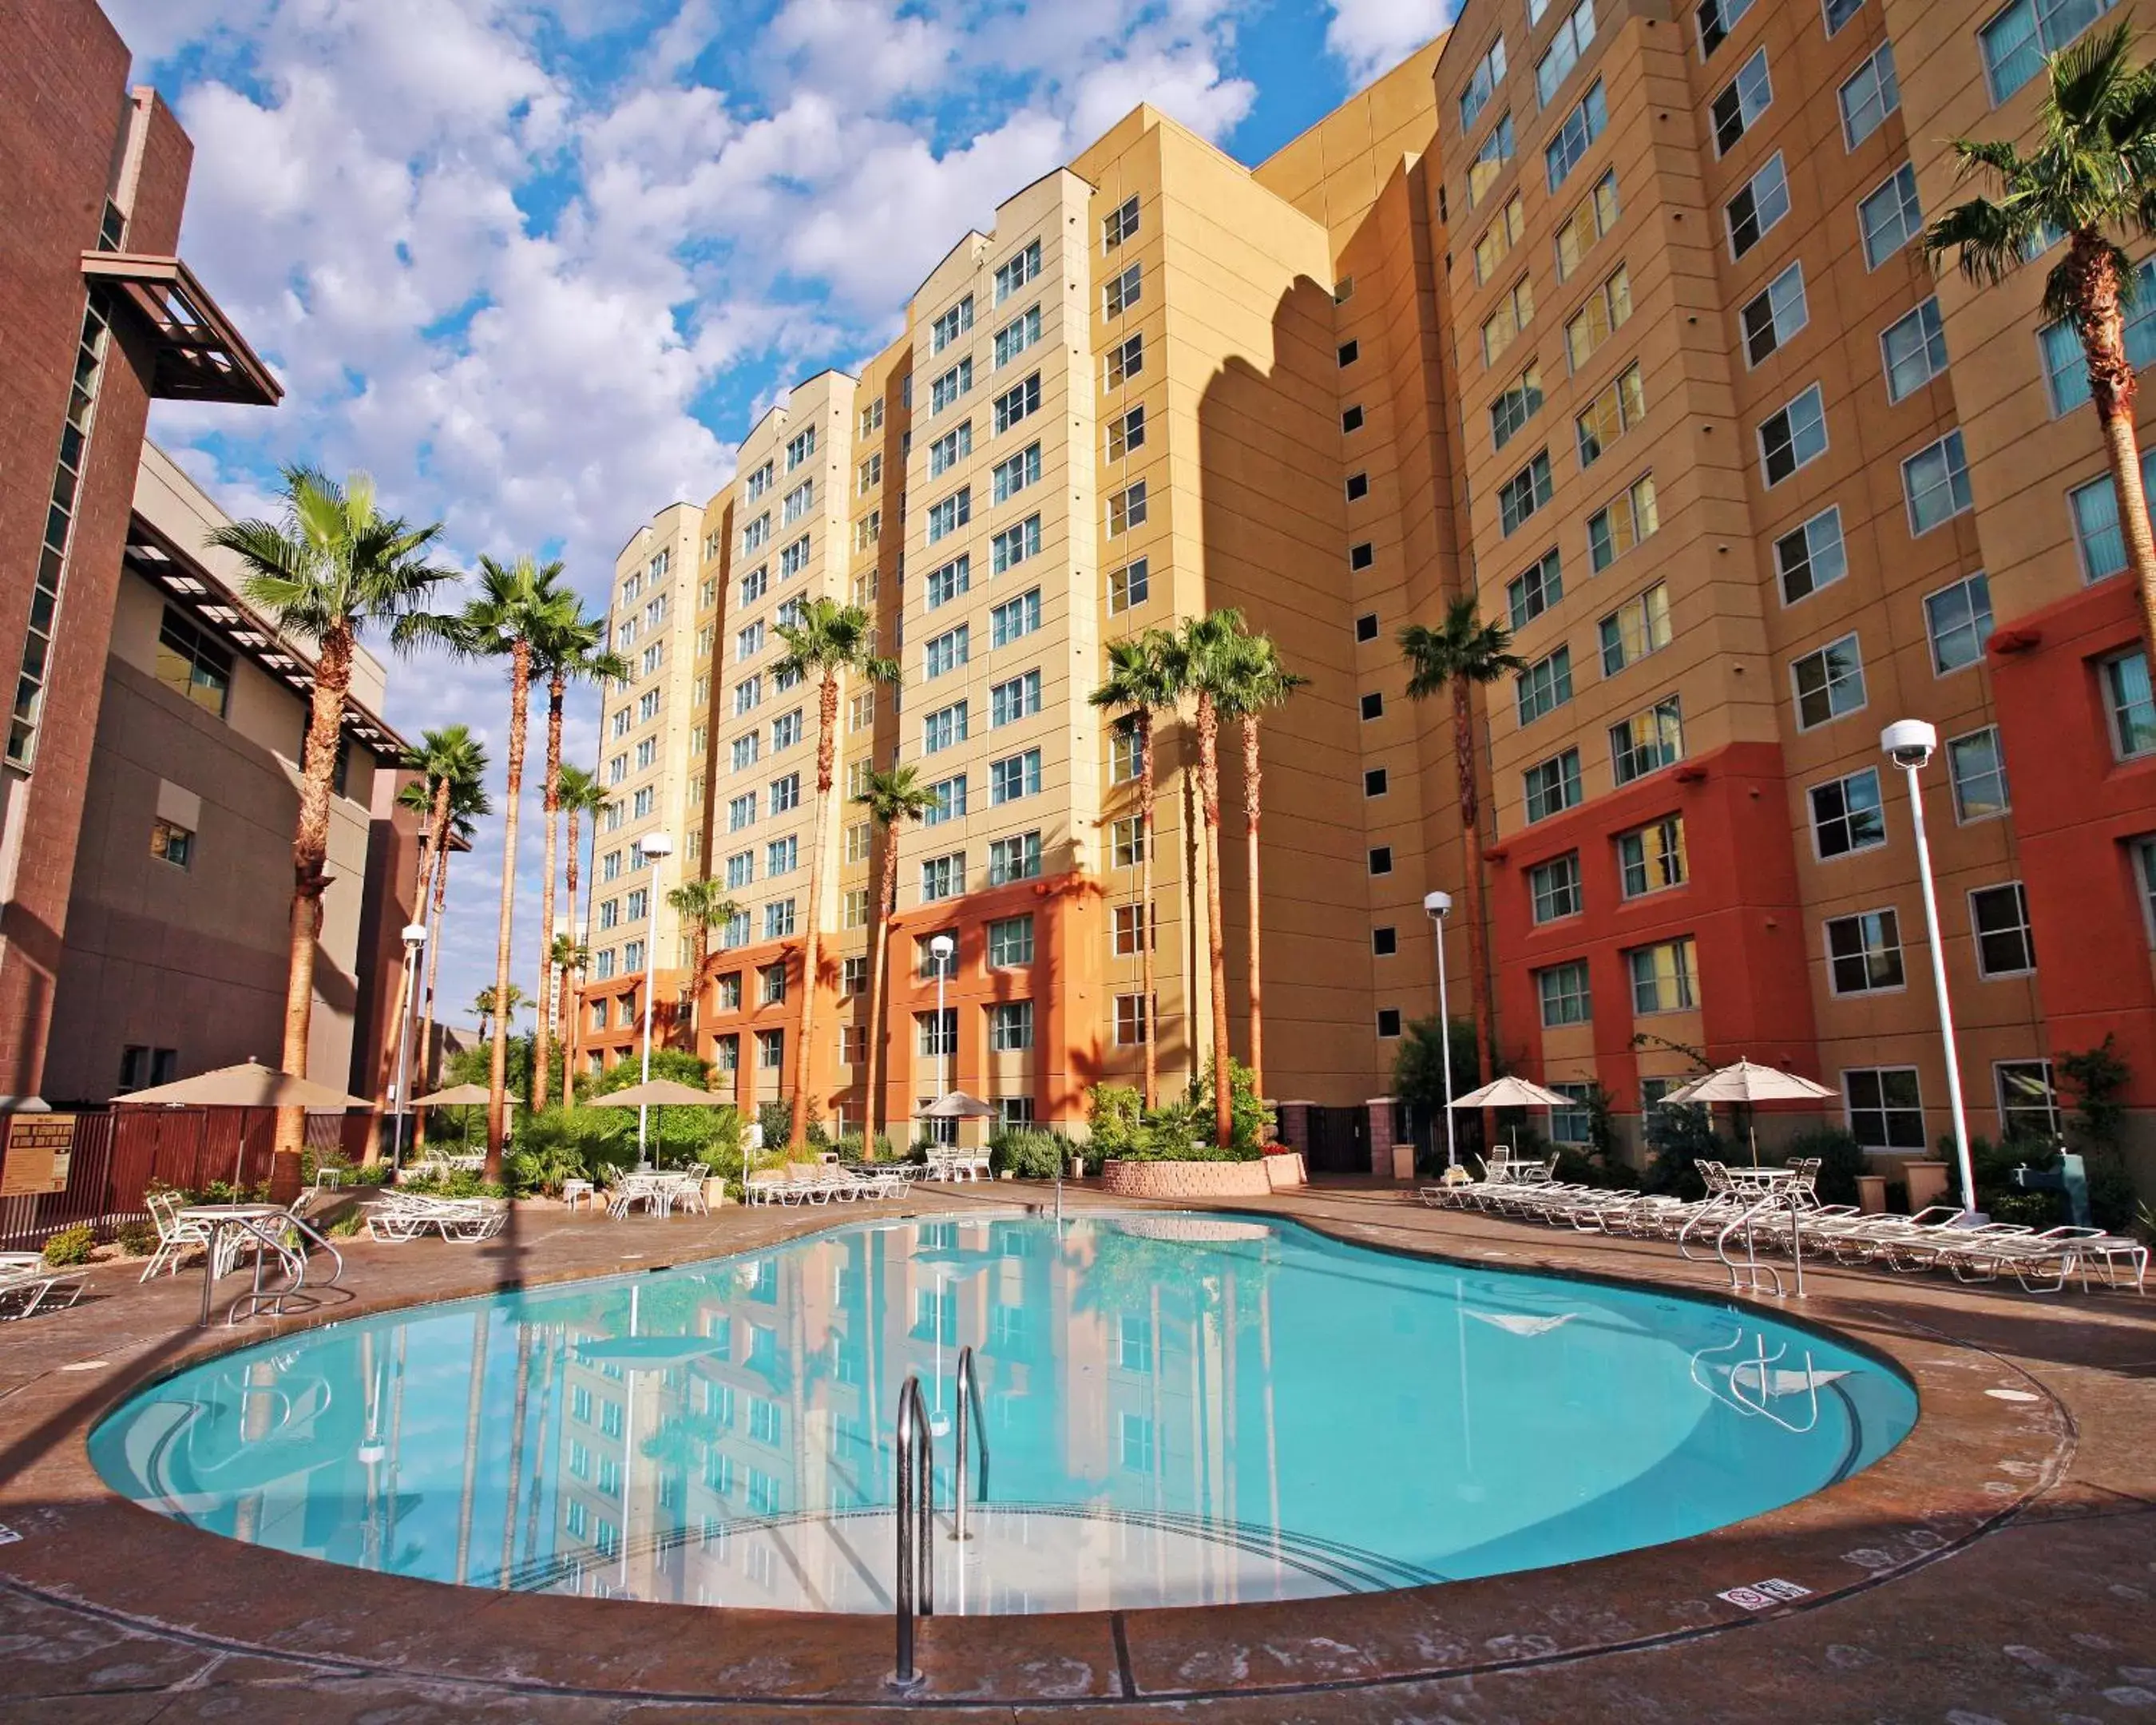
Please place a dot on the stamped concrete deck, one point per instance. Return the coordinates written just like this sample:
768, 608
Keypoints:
1999, 1566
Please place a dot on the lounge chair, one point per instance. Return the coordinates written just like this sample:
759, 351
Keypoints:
28, 1285
404, 1215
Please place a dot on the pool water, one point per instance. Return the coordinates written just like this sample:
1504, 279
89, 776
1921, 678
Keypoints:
1177, 1409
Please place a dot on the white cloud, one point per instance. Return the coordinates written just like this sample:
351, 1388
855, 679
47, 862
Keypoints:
1372, 37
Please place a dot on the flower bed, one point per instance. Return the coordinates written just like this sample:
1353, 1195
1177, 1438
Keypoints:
1253, 1179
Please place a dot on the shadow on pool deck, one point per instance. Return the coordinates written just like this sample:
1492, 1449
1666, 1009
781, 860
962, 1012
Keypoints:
2001, 1567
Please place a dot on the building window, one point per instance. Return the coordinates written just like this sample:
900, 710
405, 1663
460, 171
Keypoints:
193, 665
1376, 781
1846, 816
1564, 992
1010, 1026
1010, 477
1127, 930
1662, 978
1890, 216
1515, 310
140, 1067
778, 920
1595, 216
1498, 239
1776, 314
1958, 619
1388, 1022
1351, 419
1127, 509
1481, 84
942, 877
1553, 887
1998, 917
1741, 102
1638, 627
1014, 858
1126, 432
1886, 1108
1366, 626
1868, 96
1574, 137
1607, 311
1130, 1020
948, 389
1615, 530
730, 991
1793, 437
1652, 858
1381, 858
1528, 595
1125, 361
1612, 414
1489, 160
1527, 492
2128, 699
770, 1051
786, 794
1864, 952
944, 728
1514, 407
1015, 776
2028, 1100
1716, 18
1935, 482
1127, 842
1127, 586
1019, 403
945, 653
948, 802
1811, 557
172, 843
1553, 786
2066, 364
1010, 942
1022, 267
1915, 348
1014, 544
1574, 34
1121, 223
1978, 770
1828, 683
1543, 686
1385, 943
2095, 510
2015, 43
1647, 742
1763, 201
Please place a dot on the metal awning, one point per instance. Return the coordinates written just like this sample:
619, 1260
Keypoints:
201, 356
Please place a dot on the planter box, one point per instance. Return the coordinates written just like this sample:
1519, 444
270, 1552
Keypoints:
1286, 1171
714, 1194
1189, 1179
1872, 1194
1928, 1183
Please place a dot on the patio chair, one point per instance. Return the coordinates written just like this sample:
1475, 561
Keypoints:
28, 1285
174, 1235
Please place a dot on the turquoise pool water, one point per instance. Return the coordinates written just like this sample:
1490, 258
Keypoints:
1176, 1409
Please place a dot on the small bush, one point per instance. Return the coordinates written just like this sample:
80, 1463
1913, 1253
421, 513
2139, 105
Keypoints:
138, 1239
372, 1173
70, 1246
345, 1227
461, 1183
1030, 1154
1840, 1159
777, 1120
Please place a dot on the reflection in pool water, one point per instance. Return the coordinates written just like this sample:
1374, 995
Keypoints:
1178, 1410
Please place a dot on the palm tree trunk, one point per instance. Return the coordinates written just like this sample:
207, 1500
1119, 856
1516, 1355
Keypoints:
1208, 794
1152, 1026
311, 844
879, 942
558, 692
434, 976
516, 1450
827, 741
1253, 777
2114, 386
497, 1071
394, 1071
1471, 825
572, 980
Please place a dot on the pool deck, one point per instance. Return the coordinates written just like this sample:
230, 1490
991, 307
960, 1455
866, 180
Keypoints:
1999, 1566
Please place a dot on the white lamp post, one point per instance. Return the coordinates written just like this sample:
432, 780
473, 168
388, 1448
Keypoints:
940, 949
1438, 904
1909, 744
656, 847
415, 937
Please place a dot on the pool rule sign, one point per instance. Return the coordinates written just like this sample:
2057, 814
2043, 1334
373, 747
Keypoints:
38, 1149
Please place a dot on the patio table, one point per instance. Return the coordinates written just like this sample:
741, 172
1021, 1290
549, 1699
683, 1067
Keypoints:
221, 1218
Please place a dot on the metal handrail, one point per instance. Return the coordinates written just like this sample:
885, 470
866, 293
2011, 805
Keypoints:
916, 1569
293, 1259
968, 1395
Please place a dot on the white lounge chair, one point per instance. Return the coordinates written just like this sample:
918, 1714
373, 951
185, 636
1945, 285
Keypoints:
28, 1285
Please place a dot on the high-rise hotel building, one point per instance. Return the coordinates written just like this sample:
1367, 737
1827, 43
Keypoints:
1609, 312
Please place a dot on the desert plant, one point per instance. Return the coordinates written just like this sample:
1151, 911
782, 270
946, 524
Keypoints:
138, 1239
777, 1120
1115, 1116
71, 1246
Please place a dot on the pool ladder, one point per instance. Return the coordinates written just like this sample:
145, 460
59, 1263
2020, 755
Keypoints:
914, 1570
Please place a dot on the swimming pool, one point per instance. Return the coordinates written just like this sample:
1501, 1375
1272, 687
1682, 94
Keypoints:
1178, 1410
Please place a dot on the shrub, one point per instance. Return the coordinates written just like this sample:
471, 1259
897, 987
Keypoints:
1115, 1113
70, 1246
1681, 1138
373, 1174
1028, 1153
345, 1227
1840, 1158
458, 1183
777, 1120
138, 1239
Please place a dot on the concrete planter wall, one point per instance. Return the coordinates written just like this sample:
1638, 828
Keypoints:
1201, 1179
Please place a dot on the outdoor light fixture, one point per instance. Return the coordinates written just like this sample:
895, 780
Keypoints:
415, 937
1909, 744
1438, 904
656, 847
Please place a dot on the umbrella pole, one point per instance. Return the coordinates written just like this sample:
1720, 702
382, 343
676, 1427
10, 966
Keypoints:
239, 1155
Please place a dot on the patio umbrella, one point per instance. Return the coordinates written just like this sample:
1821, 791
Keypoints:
1512, 1093
663, 1093
249, 1084
956, 1105
1747, 1083
459, 1096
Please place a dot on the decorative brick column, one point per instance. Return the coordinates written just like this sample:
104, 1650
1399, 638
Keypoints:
1388, 1161
1292, 1122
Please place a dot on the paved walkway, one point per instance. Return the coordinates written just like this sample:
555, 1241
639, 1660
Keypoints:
2003, 1570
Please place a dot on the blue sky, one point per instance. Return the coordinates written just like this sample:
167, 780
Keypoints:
536, 264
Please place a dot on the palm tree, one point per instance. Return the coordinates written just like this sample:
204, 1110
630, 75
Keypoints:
1252, 682
333, 568
483, 1004
891, 797
574, 651
1140, 681
519, 607
565, 957
577, 793
2093, 173
1201, 658
468, 803
827, 641
702, 902
1462, 652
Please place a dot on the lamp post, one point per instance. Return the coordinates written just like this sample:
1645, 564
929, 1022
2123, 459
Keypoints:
1909, 744
415, 937
1438, 904
656, 847
940, 949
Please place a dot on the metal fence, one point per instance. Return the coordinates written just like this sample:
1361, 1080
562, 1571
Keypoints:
118, 1154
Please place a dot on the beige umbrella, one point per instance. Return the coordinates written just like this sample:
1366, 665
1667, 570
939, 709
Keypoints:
1512, 1093
663, 1093
958, 1106
1747, 1083
459, 1096
249, 1084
